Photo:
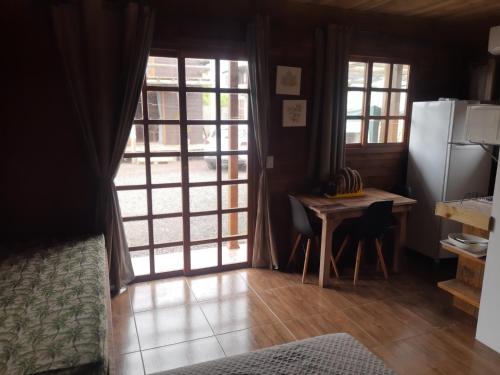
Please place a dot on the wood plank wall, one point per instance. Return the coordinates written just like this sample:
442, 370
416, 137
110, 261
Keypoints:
437, 72
45, 178
384, 169
37, 197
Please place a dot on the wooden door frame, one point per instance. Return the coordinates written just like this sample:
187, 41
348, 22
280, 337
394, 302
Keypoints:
250, 182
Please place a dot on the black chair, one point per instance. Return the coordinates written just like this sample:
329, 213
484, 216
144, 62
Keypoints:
375, 222
403, 190
302, 225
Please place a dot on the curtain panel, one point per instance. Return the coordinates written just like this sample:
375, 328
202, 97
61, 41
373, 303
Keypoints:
327, 142
265, 253
104, 47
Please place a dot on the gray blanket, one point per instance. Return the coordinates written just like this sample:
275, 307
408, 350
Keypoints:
338, 354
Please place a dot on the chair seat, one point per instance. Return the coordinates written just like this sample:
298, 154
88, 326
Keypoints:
308, 227
371, 226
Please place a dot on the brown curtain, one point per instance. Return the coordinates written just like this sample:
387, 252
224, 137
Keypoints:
264, 248
104, 47
327, 143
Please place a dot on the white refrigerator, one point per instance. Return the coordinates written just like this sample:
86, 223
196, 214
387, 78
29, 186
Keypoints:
441, 167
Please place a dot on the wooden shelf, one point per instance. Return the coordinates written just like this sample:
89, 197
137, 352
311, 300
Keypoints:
462, 291
471, 212
475, 216
456, 250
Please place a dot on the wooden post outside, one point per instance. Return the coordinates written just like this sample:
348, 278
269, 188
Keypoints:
232, 166
387, 76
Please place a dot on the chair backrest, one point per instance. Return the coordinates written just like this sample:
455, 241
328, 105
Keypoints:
403, 190
300, 218
376, 220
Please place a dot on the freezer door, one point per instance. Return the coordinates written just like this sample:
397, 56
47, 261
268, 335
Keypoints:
427, 166
468, 172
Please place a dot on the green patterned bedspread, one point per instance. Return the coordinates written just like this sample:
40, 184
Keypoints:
53, 315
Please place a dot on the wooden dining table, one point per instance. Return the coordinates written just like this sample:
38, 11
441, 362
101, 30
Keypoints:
333, 211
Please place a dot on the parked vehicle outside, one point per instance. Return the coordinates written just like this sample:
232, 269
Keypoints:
242, 145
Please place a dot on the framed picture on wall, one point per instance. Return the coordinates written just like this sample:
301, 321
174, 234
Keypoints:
288, 80
294, 113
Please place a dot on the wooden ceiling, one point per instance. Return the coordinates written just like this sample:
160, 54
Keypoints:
443, 9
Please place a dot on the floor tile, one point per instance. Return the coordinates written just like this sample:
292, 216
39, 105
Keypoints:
160, 294
322, 324
477, 356
365, 291
296, 301
120, 304
463, 327
254, 338
217, 286
130, 364
435, 350
334, 299
404, 360
387, 325
170, 326
125, 338
395, 310
407, 283
261, 280
407, 321
183, 354
235, 313
435, 307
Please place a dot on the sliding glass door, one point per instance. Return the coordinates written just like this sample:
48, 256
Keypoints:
183, 184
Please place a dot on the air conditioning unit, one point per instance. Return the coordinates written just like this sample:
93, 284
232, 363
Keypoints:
483, 124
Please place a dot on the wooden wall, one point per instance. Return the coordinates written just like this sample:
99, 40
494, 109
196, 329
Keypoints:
45, 186
437, 72
44, 181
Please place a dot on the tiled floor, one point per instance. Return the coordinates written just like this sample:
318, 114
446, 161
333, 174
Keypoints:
407, 321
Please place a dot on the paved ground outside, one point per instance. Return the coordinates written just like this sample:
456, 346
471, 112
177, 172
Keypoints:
134, 203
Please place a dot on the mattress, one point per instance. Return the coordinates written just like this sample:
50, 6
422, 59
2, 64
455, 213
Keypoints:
338, 354
54, 309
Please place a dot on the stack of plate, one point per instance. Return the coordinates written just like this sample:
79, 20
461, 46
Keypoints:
469, 242
348, 181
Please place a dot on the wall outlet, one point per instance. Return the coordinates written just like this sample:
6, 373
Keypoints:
270, 162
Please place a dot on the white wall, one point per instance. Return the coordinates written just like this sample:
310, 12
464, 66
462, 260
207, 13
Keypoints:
488, 326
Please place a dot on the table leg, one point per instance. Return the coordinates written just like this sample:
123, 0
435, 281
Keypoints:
399, 240
329, 225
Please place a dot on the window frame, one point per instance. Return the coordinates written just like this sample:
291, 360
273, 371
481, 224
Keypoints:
367, 90
186, 214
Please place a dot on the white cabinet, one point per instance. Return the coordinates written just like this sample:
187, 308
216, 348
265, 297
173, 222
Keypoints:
483, 124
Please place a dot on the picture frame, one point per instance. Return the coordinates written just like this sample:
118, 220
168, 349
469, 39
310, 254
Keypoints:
294, 113
288, 80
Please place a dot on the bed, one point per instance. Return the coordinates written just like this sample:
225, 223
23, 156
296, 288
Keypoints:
334, 354
55, 309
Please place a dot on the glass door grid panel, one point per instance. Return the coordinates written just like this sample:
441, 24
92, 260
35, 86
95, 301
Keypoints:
183, 182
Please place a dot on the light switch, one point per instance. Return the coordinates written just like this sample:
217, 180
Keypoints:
270, 162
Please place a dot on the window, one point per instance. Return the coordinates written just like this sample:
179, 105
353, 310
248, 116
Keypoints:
183, 181
377, 102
